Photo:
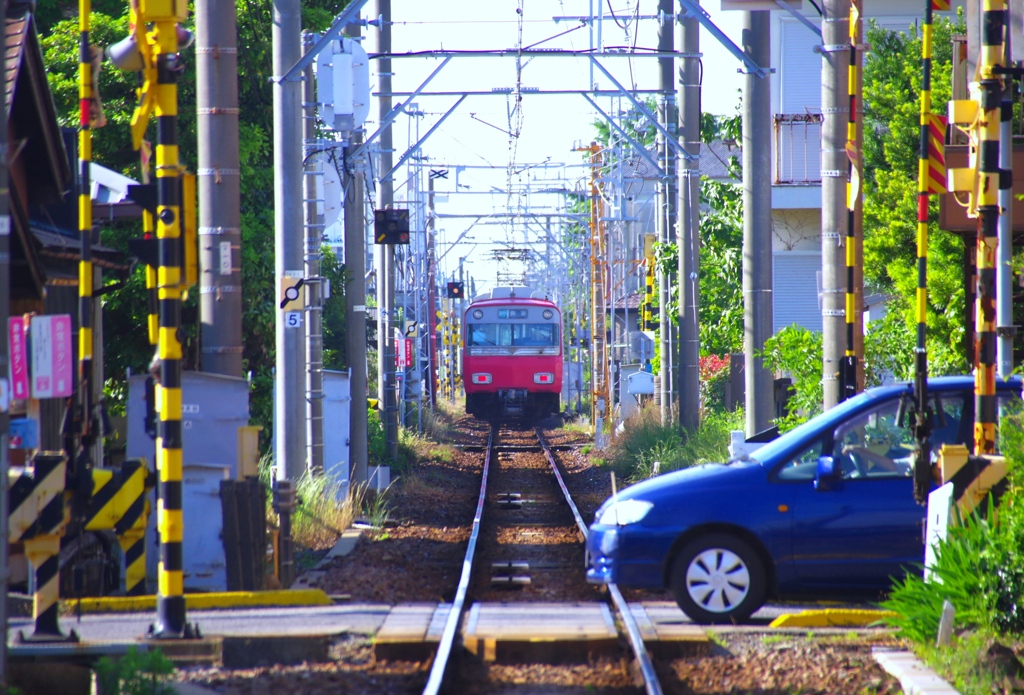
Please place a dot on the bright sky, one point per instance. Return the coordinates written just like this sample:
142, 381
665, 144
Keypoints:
476, 134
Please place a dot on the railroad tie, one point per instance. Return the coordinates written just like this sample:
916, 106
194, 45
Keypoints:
509, 500
505, 573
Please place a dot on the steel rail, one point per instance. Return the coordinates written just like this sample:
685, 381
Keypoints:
451, 625
636, 640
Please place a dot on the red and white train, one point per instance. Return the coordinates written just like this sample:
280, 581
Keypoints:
512, 355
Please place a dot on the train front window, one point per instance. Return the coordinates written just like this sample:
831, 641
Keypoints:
513, 334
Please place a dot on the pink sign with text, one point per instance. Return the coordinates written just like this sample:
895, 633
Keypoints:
52, 368
19, 357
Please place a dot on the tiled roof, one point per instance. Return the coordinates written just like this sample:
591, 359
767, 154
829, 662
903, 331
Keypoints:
633, 300
15, 35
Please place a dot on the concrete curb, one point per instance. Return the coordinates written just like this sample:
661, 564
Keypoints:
225, 599
915, 678
830, 617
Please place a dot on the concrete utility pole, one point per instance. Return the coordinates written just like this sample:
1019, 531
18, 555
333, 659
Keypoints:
220, 234
386, 254
5, 301
290, 376
666, 219
757, 224
314, 240
355, 310
689, 225
431, 316
835, 61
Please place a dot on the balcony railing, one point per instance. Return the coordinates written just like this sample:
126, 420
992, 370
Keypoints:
797, 148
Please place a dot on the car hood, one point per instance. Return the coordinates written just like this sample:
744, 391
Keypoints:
691, 481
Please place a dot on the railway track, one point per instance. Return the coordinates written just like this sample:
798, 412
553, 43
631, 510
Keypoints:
527, 537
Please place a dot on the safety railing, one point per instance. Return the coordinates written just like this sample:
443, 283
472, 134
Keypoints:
797, 148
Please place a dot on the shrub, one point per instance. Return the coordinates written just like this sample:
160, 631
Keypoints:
796, 352
135, 673
714, 379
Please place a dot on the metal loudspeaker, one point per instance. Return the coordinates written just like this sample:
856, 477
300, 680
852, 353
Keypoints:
125, 55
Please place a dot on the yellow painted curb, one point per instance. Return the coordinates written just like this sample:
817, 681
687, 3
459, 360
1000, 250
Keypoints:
226, 599
831, 617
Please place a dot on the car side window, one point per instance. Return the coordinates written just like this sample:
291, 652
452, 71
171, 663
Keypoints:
946, 427
874, 444
803, 465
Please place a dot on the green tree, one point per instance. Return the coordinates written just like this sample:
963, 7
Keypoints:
892, 82
124, 310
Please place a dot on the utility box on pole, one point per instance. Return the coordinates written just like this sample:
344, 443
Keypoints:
343, 85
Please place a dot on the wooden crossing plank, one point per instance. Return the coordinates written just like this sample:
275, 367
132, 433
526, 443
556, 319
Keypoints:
411, 632
666, 631
540, 632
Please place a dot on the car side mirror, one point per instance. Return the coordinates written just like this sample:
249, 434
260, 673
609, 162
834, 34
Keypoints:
826, 472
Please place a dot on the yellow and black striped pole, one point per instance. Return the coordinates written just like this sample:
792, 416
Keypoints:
79, 434
991, 90
922, 415
170, 524
848, 370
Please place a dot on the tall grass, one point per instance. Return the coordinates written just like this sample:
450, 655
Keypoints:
645, 447
322, 513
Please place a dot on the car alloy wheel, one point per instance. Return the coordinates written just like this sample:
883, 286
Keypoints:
718, 579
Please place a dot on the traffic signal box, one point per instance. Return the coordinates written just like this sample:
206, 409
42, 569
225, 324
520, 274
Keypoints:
391, 226
456, 290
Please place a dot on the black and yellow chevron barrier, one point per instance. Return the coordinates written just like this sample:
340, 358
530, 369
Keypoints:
38, 515
974, 478
120, 503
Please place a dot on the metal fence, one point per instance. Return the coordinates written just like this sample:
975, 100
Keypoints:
797, 148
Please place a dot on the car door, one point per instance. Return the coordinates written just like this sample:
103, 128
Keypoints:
856, 531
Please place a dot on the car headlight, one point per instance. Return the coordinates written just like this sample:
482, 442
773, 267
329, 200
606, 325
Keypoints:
624, 512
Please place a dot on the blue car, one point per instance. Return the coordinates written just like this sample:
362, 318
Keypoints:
826, 510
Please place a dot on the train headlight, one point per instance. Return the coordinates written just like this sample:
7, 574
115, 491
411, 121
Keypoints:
478, 314
543, 378
481, 378
548, 313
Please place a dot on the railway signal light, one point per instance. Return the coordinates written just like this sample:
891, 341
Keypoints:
456, 290
391, 226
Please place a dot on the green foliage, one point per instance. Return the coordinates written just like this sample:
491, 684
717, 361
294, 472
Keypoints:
892, 82
963, 664
136, 673
377, 447
963, 561
721, 269
124, 310
331, 269
646, 448
980, 563
797, 352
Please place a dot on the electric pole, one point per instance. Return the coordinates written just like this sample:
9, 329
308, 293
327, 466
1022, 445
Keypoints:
386, 258
688, 212
220, 234
835, 60
666, 218
355, 310
757, 224
290, 377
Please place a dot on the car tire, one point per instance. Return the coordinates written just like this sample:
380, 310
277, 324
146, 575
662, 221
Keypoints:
718, 578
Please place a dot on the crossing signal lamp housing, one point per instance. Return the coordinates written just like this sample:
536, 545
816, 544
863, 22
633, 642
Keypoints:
391, 226
456, 290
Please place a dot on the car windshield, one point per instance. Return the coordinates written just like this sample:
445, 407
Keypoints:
799, 434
